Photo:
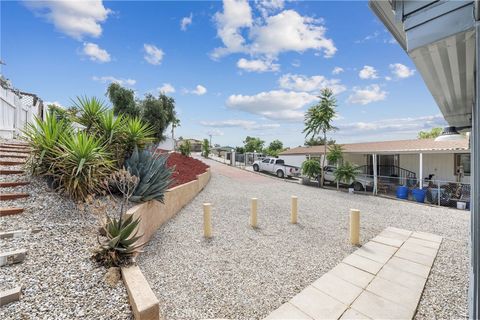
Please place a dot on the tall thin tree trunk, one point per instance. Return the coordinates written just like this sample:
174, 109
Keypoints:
322, 181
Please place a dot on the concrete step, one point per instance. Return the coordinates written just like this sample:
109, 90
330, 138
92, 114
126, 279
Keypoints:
10, 295
6, 172
14, 150
9, 146
12, 257
11, 163
17, 156
13, 184
8, 211
23, 144
13, 196
17, 233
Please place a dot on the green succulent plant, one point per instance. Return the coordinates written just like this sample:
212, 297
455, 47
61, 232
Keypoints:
137, 134
120, 244
90, 111
185, 148
154, 175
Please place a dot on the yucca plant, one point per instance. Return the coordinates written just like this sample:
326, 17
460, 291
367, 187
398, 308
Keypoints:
82, 165
90, 111
121, 233
111, 129
137, 134
43, 136
154, 175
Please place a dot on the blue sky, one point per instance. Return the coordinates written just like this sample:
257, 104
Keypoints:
235, 68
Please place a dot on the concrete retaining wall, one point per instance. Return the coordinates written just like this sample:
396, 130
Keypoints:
153, 215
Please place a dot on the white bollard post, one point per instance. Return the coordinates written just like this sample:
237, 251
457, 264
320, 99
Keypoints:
354, 226
294, 213
207, 220
253, 213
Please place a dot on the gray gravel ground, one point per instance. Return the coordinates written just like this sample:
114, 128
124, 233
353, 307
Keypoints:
242, 273
59, 279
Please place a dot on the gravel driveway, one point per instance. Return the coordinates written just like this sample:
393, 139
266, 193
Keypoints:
245, 273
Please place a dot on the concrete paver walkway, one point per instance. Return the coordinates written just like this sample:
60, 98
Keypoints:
384, 279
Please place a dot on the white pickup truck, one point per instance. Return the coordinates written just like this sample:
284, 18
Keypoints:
276, 166
362, 182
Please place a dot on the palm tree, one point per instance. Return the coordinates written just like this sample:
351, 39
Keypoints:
335, 155
318, 121
175, 123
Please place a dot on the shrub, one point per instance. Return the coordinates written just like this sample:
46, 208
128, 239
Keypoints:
90, 111
81, 165
311, 168
120, 244
346, 173
42, 136
205, 148
137, 134
153, 173
185, 148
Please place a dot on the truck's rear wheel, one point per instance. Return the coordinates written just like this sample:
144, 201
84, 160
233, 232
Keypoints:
255, 167
280, 173
357, 186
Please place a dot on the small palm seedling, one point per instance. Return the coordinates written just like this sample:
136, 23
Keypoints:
311, 168
153, 172
121, 233
346, 173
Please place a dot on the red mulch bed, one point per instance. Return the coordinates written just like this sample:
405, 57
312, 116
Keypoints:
186, 168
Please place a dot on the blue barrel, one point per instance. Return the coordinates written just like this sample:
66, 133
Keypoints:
419, 195
402, 192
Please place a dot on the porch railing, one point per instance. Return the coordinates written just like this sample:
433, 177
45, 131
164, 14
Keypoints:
388, 171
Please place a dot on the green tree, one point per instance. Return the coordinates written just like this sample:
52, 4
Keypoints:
274, 148
311, 168
253, 144
319, 141
432, 134
335, 156
205, 148
240, 150
123, 100
158, 113
346, 173
318, 120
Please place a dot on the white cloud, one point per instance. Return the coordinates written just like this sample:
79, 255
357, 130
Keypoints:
266, 7
110, 79
314, 83
275, 105
185, 22
270, 35
410, 124
199, 90
237, 123
401, 71
369, 37
58, 104
236, 14
289, 31
367, 95
95, 53
337, 70
215, 133
167, 88
153, 55
368, 72
73, 18
257, 65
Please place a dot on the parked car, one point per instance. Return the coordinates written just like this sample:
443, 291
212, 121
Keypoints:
276, 166
362, 182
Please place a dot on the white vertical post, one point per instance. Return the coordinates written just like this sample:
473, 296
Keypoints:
207, 220
294, 213
420, 179
253, 213
374, 158
354, 226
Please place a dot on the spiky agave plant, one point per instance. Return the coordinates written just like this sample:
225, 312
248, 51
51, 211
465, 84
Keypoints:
121, 233
154, 175
43, 136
